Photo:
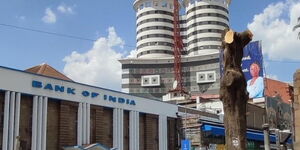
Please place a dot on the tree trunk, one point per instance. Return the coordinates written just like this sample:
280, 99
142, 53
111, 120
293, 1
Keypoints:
233, 90
234, 101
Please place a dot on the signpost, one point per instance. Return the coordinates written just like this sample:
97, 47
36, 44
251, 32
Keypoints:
185, 145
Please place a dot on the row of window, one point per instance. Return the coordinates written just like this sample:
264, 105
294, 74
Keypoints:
166, 89
181, 29
155, 36
190, 26
208, 7
155, 20
204, 39
171, 37
205, 31
155, 44
155, 51
154, 12
208, 23
170, 70
158, 28
163, 4
194, 1
164, 80
204, 47
208, 15
148, 90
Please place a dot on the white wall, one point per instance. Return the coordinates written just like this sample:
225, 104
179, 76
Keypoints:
19, 81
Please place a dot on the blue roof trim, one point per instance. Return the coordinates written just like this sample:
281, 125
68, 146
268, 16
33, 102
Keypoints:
251, 135
79, 83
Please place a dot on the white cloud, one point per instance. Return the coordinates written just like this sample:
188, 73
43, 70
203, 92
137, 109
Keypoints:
272, 76
132, 54
98, 66
49, 16
65, 9
274, 26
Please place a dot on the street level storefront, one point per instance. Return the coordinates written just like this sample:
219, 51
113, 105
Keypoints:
214, 137
49, 113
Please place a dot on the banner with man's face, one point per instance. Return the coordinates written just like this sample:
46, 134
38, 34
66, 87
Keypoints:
252, 65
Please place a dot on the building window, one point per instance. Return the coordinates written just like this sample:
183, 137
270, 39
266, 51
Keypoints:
141, 6
164, 4
147, 4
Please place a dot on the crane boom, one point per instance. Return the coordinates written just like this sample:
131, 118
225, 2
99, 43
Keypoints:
178, 47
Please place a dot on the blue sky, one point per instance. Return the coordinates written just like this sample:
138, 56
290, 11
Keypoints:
113, 22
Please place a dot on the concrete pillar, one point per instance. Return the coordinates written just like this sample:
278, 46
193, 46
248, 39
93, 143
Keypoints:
163, 135
118, 136
11, 121
137, 127
39, 123
34, 123
6, 121
44, 123
266, 136
17, 119
296, 106
88, 129
84, 123
122, 129
115, 128
79, 125
134, 130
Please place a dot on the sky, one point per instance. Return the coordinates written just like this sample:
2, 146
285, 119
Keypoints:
104, 31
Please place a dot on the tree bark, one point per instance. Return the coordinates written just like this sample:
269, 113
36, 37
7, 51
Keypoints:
233, 91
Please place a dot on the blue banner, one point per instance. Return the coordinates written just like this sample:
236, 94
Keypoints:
185, 145
252, 65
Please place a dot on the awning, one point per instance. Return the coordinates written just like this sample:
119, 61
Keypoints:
251, 135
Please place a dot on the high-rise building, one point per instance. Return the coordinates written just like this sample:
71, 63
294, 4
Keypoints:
205, 21
154, 28
151, 73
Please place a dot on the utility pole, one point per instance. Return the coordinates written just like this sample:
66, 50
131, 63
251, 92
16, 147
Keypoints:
266, 136
233, 90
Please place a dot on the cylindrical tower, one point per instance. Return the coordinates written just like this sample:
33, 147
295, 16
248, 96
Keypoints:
154, 28
206, 19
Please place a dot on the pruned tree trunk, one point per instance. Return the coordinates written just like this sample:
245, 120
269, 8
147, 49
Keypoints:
233, 90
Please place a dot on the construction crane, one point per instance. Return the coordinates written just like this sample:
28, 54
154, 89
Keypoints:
178, 48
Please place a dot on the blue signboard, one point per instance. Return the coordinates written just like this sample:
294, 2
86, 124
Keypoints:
185, 145
252, 65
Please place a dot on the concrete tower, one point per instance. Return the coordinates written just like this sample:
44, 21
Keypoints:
154, 28
205, 21
151, 74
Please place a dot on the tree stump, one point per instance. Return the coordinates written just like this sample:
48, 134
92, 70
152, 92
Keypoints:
233, 90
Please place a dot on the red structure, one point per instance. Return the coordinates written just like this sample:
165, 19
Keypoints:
178, 47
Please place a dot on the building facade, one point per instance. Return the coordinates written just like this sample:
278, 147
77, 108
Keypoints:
49, 113
151, 73
202, 24
154, 78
